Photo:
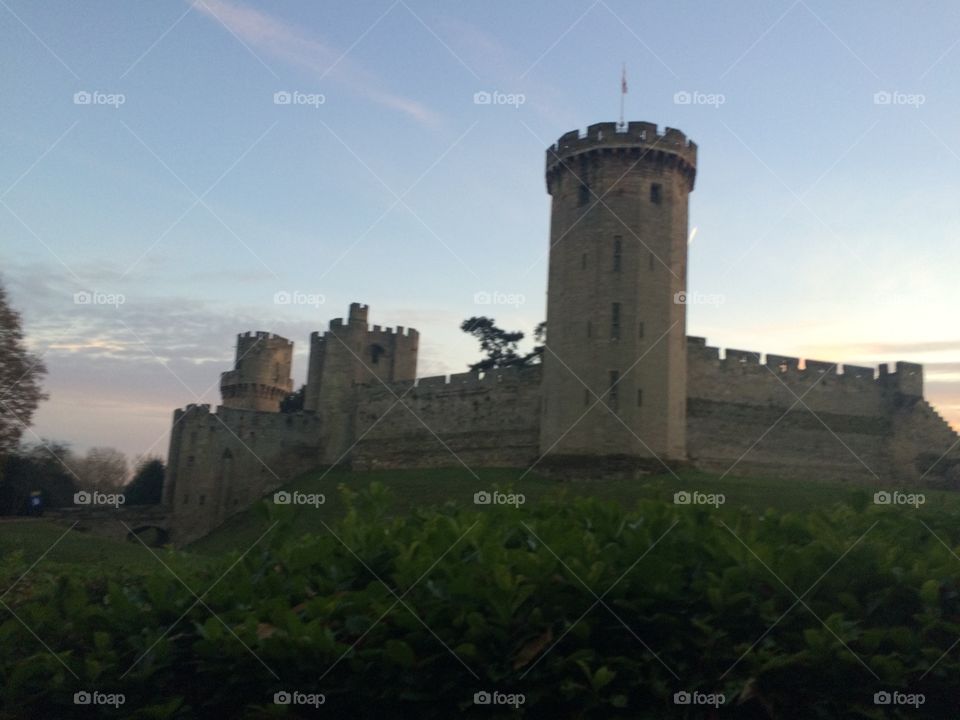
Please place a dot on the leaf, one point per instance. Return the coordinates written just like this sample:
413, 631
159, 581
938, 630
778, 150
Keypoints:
930, 592
533, 648
265, 630
399, 652
603, 677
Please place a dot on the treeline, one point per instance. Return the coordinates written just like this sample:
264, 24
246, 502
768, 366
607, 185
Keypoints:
54, 471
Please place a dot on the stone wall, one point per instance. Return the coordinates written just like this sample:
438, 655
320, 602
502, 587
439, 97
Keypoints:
748, 414
744, 411
488, 420
220, 464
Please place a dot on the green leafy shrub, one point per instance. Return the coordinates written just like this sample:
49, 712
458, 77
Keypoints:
587, 609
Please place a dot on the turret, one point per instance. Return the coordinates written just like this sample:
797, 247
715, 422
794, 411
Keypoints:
616, 313
260, 378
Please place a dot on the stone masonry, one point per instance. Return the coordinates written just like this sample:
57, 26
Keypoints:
620, 383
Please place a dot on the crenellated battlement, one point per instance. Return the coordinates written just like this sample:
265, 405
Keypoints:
641, 140
338, 324
466, 380
907, 377
195, 409
261, 335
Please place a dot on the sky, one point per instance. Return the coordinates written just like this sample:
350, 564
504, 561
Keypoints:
151, 164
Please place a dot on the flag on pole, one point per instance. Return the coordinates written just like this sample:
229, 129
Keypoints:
623, 80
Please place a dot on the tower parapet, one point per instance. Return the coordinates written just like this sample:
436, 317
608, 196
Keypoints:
260, 378
638, 141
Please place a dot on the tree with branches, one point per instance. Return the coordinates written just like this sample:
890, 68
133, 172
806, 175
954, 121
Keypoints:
501, 346
20, 375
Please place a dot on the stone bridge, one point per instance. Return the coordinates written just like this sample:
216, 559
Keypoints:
151, 523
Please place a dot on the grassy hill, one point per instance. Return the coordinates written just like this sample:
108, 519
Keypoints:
52, 541
413, 489
416, 489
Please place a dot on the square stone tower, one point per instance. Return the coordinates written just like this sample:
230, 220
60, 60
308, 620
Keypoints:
616, 313
348, 354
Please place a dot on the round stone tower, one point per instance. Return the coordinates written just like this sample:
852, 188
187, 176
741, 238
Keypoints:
616, 312
260, 378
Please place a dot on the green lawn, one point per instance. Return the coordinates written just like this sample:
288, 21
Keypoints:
52, 541
38, 551
414, 489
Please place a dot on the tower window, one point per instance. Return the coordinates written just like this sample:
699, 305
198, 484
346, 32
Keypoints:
639, 398
612, 393
640, 330
617, 253
615, 321
584, 195
375, 352
656, 193
203, 499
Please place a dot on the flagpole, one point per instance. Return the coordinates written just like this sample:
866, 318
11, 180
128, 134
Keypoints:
623, 91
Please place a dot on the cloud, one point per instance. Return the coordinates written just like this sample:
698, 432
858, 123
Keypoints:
906, 348
287, 43
115, 374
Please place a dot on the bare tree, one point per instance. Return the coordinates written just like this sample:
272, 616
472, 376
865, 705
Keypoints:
103, 468
20, 374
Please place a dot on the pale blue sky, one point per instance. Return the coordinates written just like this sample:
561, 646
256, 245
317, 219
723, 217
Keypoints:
828, 222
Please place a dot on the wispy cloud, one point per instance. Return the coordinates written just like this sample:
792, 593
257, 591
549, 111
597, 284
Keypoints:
280, 40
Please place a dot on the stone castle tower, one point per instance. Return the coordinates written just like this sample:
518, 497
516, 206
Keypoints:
616, 316
350, 353
260, 378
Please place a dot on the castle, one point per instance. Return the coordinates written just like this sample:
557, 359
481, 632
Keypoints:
621, 385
